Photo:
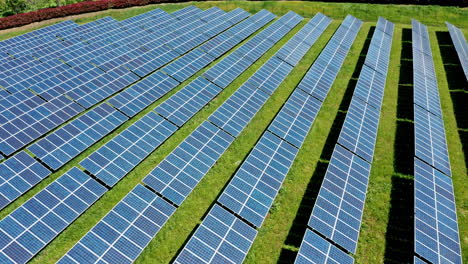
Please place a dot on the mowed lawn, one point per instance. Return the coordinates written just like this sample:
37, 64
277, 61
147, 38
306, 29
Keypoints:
386, 232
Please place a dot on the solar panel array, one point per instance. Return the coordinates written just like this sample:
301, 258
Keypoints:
435, 218
461, 46
116, 158
125, 231
38, 221
238, 61
221, 238
58, 148
337, 213
178, 174
436, 231
94, 92
19, 174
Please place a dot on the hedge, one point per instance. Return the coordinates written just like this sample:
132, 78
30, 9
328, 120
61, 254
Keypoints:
73, 9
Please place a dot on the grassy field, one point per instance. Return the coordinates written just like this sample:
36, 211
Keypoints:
386, 233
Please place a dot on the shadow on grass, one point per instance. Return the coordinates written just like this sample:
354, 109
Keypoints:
457, 84
400, 229
296, 232
399, 235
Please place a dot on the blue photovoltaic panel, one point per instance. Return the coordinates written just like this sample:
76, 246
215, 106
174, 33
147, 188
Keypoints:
139, 96
426, 93
18, 174
153, 59
16, 104
316, 250
420, 37
180, 107
378, 55
385, 26
319, 79
430, 140
263, 17
188, 65
27, 127
337, 213
224, 22
461, 46
370, 87
298, 45
72, 139
255, 185
359, 131
38, 221
116, 158
124, 232
221, 238
436, 235
295, 118
270, 75
178, 174
224, 72
185, 12
237, 111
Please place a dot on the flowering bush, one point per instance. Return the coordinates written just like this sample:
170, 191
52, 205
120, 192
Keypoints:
73, 9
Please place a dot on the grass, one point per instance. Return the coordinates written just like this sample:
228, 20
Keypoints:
279, 238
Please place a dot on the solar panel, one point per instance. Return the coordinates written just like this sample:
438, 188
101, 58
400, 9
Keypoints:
263, 16
13, 105
188, 11
178, 174
116, 158
252, 190
298, 45
359, 131
224, 72
316, 250
378, 54
239, 109
180, 107
426, 94
385, 26
188, 65
69, 141
436, 234
295, 118
337, 213
461, 46
38, 221
153, 59
139, 96
417, 260
22, 130
318, 80
430, 142
124, 232
19, 174
370, 86
270, 75
225, 21
221, 238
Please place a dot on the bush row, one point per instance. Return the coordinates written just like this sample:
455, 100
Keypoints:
73, 9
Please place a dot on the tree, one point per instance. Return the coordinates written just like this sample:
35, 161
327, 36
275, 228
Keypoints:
17, 6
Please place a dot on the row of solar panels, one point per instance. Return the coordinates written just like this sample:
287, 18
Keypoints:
85, 89
337, 213
179, 173
151, 130
436, 232
69, 141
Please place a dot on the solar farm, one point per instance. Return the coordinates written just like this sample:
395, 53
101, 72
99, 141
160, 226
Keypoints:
214, 135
